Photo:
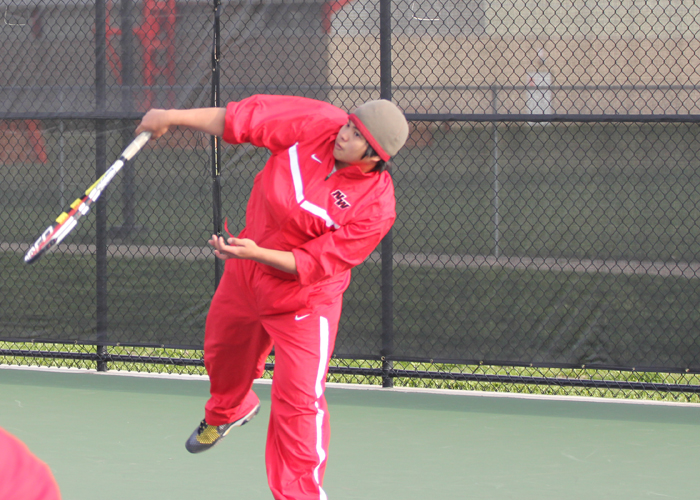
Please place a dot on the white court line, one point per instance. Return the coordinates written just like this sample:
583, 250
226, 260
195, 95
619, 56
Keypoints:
164, 252
594, 266
689, 270
362, 387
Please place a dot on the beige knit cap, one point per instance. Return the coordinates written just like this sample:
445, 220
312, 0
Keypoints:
383, 125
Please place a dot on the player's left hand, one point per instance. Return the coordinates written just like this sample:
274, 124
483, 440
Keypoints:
234, 248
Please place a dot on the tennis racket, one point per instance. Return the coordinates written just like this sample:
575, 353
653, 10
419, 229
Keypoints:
67, 221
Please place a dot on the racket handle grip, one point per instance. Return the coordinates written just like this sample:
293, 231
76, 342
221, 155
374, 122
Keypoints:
136, 145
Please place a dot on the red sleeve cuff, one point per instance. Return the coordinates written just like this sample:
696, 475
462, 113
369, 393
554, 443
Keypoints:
305, 266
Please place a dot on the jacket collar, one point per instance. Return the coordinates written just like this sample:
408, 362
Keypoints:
354, 172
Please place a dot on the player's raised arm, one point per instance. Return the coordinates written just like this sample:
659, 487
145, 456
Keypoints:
207, 120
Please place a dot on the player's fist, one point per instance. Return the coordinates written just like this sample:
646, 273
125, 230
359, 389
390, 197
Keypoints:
155, 121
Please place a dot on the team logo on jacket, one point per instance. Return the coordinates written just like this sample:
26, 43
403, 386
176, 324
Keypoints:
339, 198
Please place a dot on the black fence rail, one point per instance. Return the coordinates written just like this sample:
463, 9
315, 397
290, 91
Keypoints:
548, 197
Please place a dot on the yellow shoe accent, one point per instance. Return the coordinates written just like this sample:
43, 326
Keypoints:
208, 435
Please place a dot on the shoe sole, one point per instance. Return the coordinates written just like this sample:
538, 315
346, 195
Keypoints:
244, 420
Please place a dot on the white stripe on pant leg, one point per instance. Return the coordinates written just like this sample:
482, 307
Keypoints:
319, 449
323, 357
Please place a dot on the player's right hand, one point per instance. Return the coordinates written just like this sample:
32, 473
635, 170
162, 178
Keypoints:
155, 121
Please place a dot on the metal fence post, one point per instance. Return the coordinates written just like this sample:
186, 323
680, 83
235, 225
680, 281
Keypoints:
100, 167
215, 143
496, 183
387, 243
127, 74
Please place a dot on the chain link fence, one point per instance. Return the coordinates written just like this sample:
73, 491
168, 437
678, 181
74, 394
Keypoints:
548, 197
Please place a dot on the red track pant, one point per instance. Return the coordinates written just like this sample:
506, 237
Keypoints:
240, 333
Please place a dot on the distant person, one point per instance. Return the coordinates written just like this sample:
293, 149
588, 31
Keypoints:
22, 475
318, 208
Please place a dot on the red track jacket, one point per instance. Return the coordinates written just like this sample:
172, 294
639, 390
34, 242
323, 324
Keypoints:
22, 475
330, 221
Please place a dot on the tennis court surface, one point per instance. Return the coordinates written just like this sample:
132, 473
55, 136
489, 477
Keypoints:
118, 437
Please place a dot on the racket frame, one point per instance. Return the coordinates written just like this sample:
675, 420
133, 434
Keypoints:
67, 221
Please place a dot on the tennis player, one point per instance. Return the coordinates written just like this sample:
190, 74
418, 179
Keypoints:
319, 207
22, 475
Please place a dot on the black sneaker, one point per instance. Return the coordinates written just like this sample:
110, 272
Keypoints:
206, 436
